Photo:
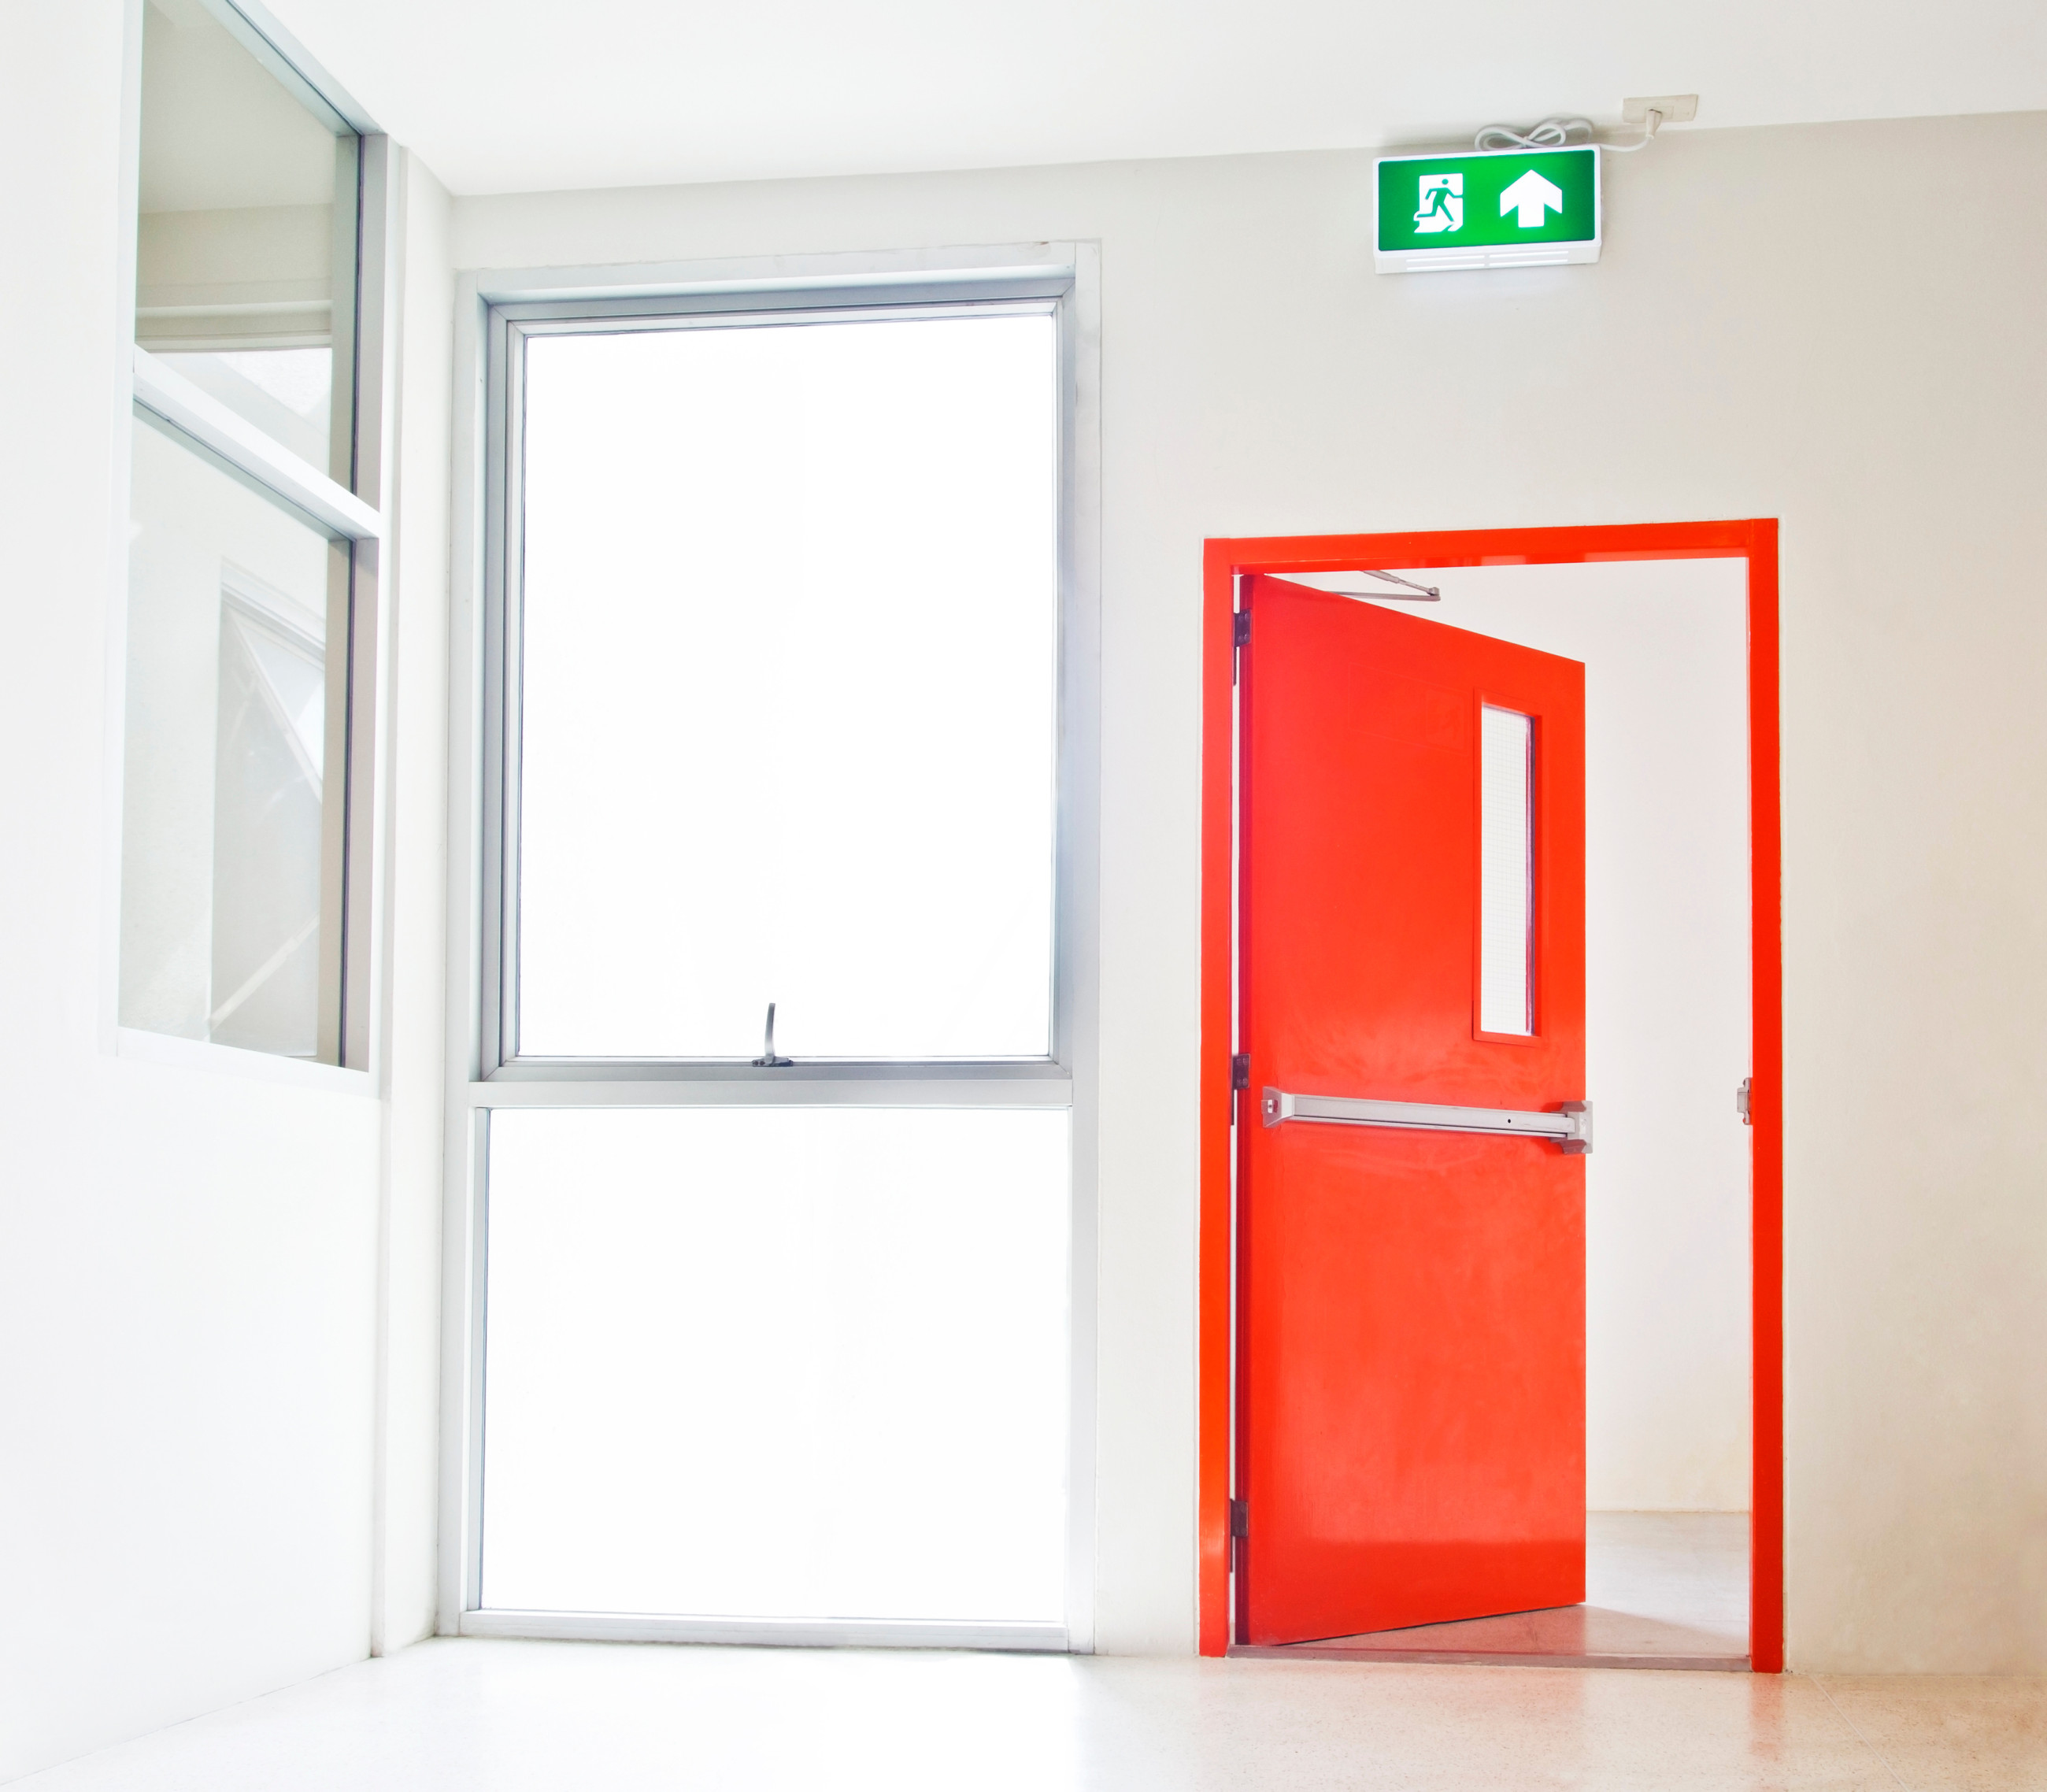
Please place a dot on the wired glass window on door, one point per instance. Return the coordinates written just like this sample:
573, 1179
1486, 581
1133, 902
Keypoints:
1507, 873
776, 720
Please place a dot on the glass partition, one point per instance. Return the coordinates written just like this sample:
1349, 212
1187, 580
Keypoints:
225, 786
234, 816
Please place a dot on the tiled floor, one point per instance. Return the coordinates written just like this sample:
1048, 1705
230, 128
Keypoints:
477, 1717
1661, 1589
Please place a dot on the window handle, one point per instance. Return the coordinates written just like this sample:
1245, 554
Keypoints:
768, 1061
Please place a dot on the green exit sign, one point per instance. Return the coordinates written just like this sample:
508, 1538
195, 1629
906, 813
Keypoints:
1516, 208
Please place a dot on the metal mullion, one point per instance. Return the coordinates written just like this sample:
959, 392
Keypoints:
503, 559
201, 422
1066, 649
739, 1069
770, 306
1055, 1094
465, 1329
371, 378
804, 1633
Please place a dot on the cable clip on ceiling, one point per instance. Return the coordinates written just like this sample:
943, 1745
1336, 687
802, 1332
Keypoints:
1564, 133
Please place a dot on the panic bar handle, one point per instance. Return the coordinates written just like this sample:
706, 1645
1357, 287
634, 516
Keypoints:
1570, 1127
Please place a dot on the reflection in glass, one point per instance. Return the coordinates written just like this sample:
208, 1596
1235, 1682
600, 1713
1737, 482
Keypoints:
789, 615
777, 1363
245, 255
224, 789
1506, 882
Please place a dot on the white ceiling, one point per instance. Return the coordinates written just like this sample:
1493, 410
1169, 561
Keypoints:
503, 95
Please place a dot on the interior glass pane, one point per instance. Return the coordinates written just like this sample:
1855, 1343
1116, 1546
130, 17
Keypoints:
777, 1363
245, 257
1506, 999
790, 604
224, 790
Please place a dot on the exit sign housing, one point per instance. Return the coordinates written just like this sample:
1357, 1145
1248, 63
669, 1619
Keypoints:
1513, 208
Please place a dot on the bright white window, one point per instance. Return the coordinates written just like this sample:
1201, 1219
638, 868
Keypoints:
792, 1362
775, 661
788, 709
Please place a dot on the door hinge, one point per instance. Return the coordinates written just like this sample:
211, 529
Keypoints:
1741, 1101
1239, 1518
1240, 1070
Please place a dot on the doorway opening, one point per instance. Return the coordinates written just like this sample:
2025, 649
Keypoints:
1676, 1544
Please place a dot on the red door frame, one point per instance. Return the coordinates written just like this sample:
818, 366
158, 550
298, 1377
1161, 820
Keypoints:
1754, 540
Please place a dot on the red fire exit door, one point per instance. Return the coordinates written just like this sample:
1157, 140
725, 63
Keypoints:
1410, 1414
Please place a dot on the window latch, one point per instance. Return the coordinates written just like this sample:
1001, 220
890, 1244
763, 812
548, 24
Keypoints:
768, 1061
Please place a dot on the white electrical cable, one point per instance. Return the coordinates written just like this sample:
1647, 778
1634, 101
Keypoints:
1561, 134
1649, 126
1552, 133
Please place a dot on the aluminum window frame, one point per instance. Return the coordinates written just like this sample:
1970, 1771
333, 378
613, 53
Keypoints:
495, 310
352, 515
511, 327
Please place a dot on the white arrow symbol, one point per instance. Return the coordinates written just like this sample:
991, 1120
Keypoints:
1530, 195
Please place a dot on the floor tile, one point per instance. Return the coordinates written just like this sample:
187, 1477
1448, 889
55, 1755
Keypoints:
490, 1717
1941, 1734
1658, 1585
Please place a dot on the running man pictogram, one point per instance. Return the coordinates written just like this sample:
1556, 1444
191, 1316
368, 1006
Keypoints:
1440, 201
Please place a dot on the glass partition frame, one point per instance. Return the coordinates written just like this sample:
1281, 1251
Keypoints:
347, 501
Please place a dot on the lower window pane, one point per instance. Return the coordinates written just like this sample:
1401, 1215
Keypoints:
224, 790
777, 1363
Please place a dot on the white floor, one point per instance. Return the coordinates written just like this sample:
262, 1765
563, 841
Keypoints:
488, 1716
1661, 1588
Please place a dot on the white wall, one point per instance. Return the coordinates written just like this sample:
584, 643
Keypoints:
189, 1257
1743, 350
185, 1255
1664, 644
414, 981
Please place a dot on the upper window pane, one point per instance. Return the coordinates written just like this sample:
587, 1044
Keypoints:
245, 259
789, 688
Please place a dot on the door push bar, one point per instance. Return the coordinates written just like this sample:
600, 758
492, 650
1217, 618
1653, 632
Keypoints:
1571, 1126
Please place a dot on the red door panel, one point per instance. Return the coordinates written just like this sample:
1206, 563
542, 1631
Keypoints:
1411, 1305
